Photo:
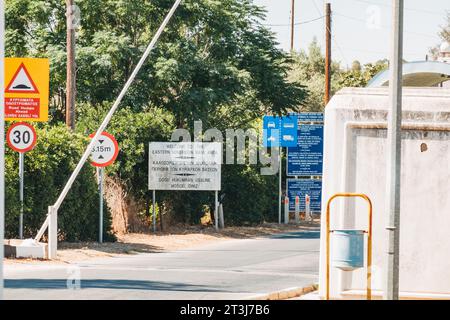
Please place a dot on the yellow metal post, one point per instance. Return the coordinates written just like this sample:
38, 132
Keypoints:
369, 242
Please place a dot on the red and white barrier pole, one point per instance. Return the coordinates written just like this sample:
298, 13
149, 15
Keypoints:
308, 216
297, 209
286, 210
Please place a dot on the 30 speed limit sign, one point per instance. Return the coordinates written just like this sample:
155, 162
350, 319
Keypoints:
21, 137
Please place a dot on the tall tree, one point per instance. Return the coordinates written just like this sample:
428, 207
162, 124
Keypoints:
215, 55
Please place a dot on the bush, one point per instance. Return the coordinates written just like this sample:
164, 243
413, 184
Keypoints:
250, 197
47, 169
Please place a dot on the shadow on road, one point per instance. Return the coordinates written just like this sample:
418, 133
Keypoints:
112, 248
298, 235
107, 284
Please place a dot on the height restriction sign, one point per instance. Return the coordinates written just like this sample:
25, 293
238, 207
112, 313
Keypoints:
26, 89
105, 151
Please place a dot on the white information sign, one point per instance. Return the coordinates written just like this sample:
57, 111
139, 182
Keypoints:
185, 166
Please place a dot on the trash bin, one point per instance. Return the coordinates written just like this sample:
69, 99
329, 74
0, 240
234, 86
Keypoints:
348, 249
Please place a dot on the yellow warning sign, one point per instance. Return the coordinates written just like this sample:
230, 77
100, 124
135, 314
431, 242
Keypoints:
26, 89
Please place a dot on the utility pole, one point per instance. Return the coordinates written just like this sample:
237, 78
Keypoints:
327, 53
292, 24
71, 67
394, 152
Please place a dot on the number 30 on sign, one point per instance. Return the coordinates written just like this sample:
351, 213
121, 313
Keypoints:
21, 137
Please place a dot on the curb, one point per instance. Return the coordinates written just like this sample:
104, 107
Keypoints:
286, 293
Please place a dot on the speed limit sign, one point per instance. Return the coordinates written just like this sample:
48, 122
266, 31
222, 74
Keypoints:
21, 137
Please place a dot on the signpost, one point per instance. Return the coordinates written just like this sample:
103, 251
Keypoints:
306, 160
21, 137
185, 166
280, 132
27, 89
104, 153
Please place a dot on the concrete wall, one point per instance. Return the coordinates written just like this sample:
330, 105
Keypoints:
355, 161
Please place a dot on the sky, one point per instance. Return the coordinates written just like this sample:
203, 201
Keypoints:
361, 28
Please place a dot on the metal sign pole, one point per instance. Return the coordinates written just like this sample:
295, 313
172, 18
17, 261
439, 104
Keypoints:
394, 153
154, 211
216, 210
100, 191
2, 143
21, 178
280, 156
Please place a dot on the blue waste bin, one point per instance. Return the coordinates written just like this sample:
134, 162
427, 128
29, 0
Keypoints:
348, 249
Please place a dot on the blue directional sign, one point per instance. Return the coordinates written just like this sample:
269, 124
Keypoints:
280, 131
301, 188
306, 159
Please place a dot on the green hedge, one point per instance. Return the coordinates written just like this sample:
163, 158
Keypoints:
47, 169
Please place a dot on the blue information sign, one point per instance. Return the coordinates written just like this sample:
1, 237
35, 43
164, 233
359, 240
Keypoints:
280, 131
301, 188
306, 159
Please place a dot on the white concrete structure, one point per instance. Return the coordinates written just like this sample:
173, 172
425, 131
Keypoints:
444, 52
355, 161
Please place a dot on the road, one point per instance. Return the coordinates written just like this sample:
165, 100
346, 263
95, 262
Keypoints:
235, 269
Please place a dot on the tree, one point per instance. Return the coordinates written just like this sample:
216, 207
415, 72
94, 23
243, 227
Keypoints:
361, 77
214, 53
309, 68
444, 34
215, 62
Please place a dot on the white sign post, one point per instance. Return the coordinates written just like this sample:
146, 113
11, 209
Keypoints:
104, 153
185, 166
21, 137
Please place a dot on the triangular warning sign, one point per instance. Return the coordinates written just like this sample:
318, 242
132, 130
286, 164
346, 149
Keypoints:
21, 82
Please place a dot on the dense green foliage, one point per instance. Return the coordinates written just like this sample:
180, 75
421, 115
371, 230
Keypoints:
215, 63
360, 77
47, 168
309, 68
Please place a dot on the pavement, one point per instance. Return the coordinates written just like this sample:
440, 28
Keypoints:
229, 270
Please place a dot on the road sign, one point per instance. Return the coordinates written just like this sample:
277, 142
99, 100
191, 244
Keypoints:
301, 188
105, 151
280, 131
185, 166
26, 89
21, 137
306, 159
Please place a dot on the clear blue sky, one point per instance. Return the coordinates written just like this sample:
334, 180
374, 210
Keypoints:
361, 27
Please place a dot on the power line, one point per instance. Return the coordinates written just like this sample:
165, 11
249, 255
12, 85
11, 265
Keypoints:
383, 26
295, 24
406, 8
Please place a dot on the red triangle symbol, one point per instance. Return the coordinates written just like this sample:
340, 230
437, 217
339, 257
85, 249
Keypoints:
21, 82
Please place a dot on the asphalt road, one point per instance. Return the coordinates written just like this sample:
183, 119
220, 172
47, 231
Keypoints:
235, 269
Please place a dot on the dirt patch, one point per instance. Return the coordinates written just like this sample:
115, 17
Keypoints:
176, 238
